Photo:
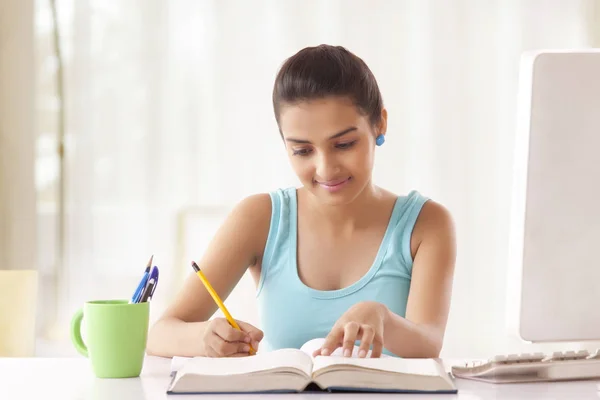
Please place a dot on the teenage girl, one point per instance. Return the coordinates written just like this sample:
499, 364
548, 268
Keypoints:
338, 258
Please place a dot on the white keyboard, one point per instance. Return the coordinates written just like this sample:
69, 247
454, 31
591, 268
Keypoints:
536, 367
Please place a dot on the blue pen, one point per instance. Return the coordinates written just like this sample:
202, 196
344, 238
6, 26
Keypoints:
142, 284
150, 287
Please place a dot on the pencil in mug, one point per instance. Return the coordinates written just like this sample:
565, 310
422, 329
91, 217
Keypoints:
217, 300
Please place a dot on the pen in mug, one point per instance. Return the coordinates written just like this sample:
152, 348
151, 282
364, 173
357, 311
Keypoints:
148, 291
143, 282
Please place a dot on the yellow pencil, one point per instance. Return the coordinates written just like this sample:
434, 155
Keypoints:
217, 300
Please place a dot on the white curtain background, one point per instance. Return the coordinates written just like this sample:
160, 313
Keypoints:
168, 108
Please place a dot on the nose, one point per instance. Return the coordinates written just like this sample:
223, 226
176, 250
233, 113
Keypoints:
327, 166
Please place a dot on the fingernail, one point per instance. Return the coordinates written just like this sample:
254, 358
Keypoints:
325, 352
247, 339
255, 345
362, 353
347, 353
246, 349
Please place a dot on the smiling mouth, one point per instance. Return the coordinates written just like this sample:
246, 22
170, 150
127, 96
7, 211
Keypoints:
334, 184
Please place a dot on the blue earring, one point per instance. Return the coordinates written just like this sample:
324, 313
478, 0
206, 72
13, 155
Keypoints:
379, 140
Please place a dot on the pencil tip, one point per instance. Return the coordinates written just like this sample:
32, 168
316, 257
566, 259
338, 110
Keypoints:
149, 263
195, 266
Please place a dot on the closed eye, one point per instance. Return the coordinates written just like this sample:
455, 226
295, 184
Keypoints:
301, 152
346, 145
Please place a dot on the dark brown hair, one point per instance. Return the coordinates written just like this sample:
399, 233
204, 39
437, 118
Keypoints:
326, 71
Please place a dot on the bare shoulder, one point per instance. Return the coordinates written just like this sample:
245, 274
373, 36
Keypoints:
434, 216
256, 207
434, 224
252, 218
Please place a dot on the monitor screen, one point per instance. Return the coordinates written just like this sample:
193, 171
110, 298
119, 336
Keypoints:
554, 254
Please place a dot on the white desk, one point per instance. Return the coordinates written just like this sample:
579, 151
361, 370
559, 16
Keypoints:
72, 378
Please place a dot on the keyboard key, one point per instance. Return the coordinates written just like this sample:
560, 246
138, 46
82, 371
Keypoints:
594, 355
527, 357
572, 355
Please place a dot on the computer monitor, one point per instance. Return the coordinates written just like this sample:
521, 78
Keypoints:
554, 254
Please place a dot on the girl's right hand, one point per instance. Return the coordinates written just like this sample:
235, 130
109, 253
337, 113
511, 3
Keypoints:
220, 339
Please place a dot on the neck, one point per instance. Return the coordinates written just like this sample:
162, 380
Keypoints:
345, 217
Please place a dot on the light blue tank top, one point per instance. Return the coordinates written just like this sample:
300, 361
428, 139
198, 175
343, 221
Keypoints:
292, 313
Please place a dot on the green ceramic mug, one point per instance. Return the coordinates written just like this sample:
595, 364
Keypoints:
116, 333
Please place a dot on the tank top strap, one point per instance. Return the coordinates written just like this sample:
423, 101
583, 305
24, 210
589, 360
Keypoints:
283, 210
409, 208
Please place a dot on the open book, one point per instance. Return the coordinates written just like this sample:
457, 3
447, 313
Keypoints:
293, 370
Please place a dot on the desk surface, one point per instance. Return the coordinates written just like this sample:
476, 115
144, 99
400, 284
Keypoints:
72, 378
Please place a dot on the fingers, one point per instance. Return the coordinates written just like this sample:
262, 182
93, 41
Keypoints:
347, 336
221, 348
223, 340
351, 331
368, 334
229, 333
256, 335
377, 347
332, 342
253, 331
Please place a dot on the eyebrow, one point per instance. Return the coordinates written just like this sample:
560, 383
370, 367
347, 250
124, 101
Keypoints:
336, 135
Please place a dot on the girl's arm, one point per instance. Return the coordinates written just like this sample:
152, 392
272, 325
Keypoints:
433, 245
238, 243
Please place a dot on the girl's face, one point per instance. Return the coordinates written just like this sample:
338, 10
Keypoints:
331, 147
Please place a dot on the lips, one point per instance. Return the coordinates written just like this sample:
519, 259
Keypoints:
333, 183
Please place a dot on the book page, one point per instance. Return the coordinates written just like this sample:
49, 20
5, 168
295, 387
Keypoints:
283, 358
314, 344
177, 362
414, 366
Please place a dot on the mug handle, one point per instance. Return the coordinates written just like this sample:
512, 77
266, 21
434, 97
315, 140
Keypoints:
76, 333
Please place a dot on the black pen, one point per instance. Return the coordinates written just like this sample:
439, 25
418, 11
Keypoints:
150, 286
148, 291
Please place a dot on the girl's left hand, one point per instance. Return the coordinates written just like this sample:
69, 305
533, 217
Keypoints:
363, 321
